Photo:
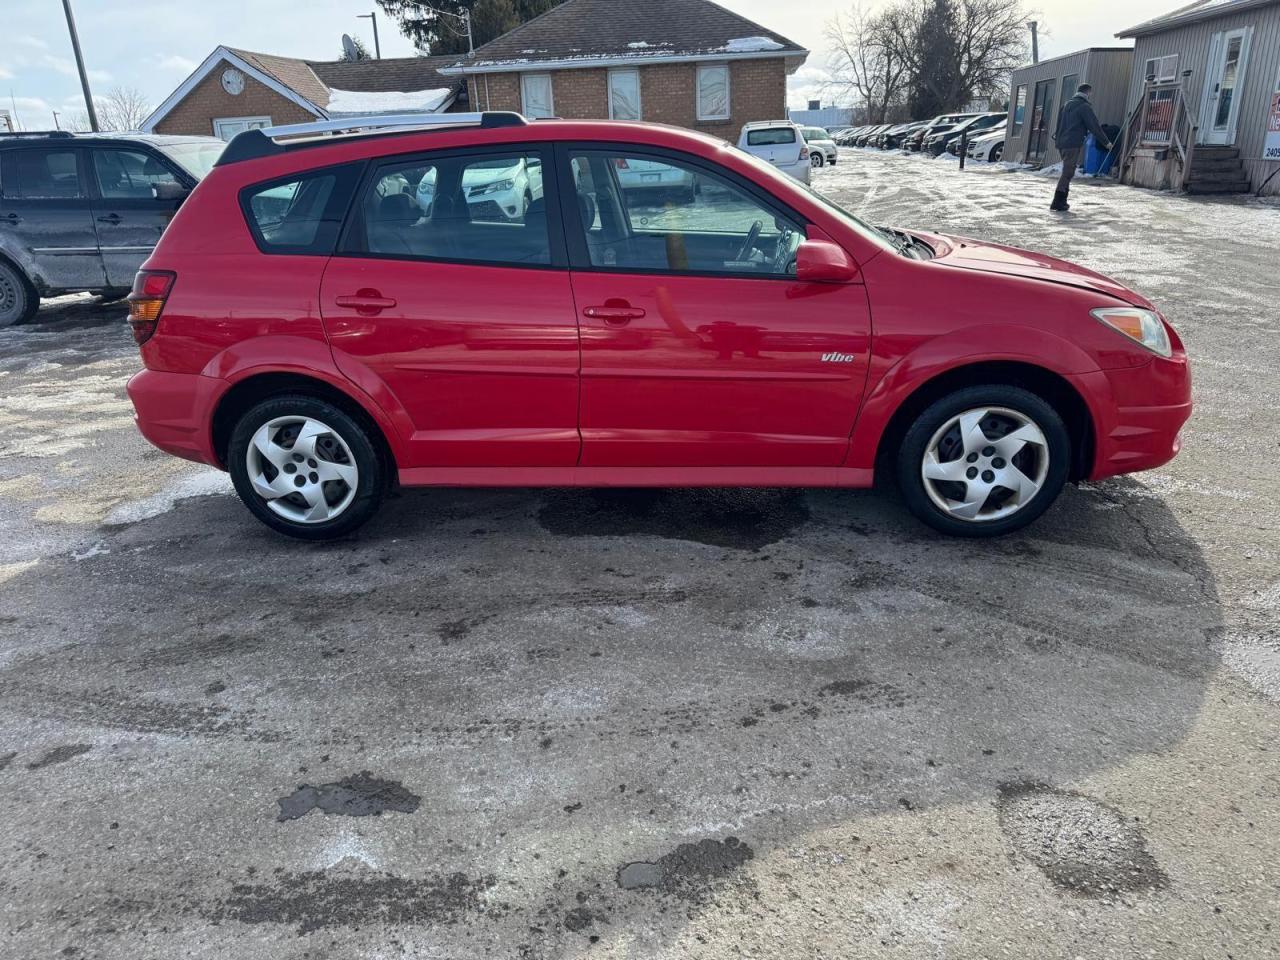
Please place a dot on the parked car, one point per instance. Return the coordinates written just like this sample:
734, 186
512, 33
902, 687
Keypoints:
894, 138
80, 213
761, 336
916, 140
822, 149
989, 147
937, 143
505, 189
781, 143
865, 138
848, 139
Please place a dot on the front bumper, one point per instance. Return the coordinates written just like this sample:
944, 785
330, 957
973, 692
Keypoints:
1138, 414
174, 411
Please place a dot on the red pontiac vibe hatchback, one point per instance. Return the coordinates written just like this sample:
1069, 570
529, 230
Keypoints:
479, 300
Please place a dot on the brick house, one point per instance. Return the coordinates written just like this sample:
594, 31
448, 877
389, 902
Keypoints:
690, 63
236, 90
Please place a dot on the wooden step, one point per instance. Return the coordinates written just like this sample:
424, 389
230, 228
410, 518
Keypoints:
1217, 186
1216, 153
1201, 164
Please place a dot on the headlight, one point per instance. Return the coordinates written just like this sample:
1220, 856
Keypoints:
1144, 326
498, 186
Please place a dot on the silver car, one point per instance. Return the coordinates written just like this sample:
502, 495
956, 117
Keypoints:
81, 212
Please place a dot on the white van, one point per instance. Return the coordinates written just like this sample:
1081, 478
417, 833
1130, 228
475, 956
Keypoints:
780, 142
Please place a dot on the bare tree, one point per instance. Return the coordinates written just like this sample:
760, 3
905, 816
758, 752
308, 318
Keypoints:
123, 108
863, 65
957, 50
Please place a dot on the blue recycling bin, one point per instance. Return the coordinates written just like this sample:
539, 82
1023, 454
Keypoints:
1097, 162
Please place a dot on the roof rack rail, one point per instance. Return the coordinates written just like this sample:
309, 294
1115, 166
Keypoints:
270, 141
58, 134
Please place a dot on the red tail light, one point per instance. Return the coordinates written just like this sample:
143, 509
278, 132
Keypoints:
146, 301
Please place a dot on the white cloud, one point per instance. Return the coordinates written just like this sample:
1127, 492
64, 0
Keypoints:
177, 63
5, 73
26, 40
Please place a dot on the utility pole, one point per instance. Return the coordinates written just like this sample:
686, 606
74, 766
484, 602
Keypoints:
1035, 41
373, 17
84, 77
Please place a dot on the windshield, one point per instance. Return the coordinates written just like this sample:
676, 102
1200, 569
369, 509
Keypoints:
197, 158
864, 229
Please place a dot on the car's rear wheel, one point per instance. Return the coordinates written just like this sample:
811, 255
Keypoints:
306, 468
984, 461
18, 299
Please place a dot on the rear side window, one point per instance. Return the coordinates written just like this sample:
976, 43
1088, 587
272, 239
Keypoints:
301, 215
130, 174
36, 173
769, 138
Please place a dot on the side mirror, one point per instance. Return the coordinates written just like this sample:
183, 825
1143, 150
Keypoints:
821, 261
169, 191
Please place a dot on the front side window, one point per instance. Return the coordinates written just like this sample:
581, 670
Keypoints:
302, 215
661, 215
131, 175
484, 209
535, 90
36, 173
624, 94
1019, 108
713, 92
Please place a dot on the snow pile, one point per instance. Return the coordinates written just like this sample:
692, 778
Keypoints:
751, 45
359, 103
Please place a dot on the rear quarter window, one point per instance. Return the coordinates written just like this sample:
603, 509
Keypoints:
769, 138
302, 214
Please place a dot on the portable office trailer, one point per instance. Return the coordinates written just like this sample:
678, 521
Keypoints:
1037, 93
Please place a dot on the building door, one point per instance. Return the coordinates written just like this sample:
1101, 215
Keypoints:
1228, 60
1041, 120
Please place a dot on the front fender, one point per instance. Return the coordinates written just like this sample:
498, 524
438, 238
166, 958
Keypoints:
900, 379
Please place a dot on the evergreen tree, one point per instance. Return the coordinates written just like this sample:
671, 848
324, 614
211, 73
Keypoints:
436, 26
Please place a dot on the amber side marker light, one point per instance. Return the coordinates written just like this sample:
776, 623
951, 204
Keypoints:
146, 301
1141, 326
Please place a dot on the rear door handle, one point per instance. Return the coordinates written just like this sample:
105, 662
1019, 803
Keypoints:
366, 302
12, 218
614, 313
111, 218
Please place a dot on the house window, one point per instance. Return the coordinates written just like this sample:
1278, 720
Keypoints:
535, 93
227, 127
713, 92
624, 94
1162, 69
1019, 108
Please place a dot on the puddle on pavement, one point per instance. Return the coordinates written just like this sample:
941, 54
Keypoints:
362, 795
688, 869
740, 519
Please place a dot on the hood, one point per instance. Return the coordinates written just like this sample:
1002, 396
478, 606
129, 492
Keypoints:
993, 258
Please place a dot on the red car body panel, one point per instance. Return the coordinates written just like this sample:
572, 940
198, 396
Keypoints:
484, 375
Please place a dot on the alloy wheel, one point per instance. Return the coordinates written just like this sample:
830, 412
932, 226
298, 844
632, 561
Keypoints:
12, 297
303, 469
985, 464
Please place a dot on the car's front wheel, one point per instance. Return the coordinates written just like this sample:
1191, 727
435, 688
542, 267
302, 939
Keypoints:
18, 300
817, 160
984, 461
306, 468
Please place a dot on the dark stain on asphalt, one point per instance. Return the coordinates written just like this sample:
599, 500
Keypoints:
866, 691
580, 918
1081, 844
59, 755
739, 519
687, 870
7, 758
362, 795
314, 900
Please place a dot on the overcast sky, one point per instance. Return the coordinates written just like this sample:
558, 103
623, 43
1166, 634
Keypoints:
153, 45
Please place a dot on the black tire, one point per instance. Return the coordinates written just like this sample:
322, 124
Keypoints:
996, 153
817, 160
371, 483
916, 440
18, 298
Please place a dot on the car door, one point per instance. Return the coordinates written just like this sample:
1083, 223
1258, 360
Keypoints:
459, 304
699, 345
135, 195
46, 220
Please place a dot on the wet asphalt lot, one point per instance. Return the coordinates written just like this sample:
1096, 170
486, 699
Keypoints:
656, 724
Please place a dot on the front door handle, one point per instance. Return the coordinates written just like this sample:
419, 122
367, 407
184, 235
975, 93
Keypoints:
12, 218
614, 312
112, 218
366, 302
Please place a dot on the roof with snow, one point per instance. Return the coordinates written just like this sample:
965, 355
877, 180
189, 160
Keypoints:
582, 33
329, 88
1194, 13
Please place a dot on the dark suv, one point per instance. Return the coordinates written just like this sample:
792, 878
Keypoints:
82, 212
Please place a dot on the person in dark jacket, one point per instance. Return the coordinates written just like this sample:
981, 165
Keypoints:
1075, 121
